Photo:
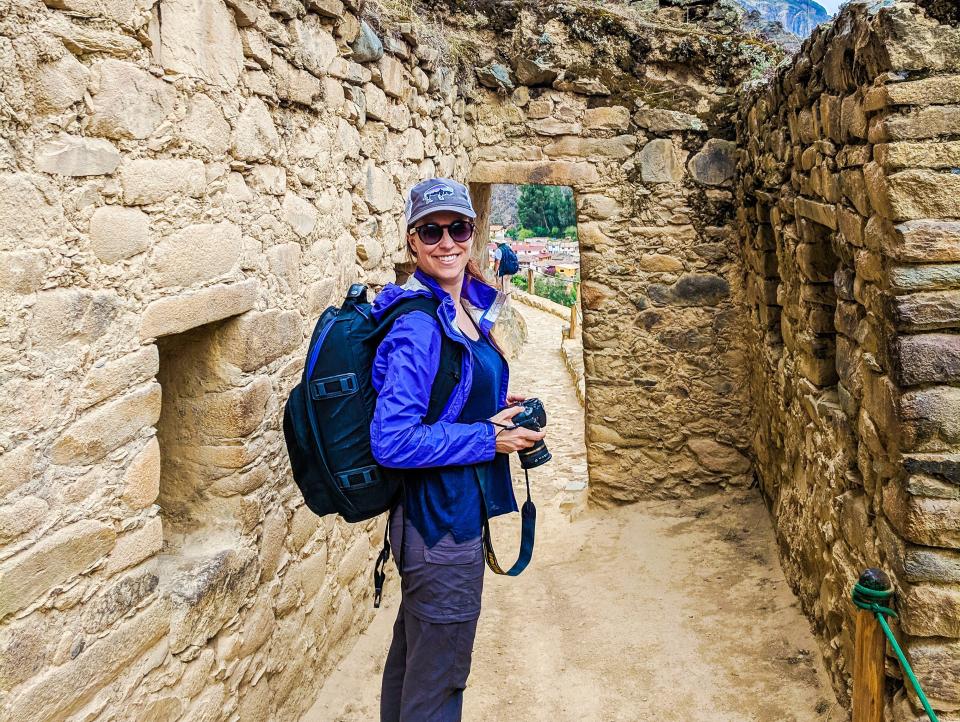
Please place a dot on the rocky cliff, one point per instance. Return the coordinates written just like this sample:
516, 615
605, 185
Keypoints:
800, 17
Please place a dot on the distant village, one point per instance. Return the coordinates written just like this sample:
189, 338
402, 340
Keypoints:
556, 257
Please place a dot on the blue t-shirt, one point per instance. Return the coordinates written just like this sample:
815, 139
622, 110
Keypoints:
447, 499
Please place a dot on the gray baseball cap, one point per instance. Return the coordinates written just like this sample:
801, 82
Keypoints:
438, 194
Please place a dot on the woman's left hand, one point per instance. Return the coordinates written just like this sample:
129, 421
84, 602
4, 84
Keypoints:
515, 399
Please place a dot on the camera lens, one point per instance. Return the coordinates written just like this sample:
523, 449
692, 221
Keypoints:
535, 456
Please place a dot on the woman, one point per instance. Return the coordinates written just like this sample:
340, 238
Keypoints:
435, 531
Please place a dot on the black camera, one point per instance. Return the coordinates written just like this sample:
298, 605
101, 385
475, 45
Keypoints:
533, 417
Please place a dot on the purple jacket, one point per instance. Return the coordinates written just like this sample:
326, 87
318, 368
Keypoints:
403, 372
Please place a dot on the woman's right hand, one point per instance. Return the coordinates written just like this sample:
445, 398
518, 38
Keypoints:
510, 440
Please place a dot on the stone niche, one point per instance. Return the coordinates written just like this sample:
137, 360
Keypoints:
850, 243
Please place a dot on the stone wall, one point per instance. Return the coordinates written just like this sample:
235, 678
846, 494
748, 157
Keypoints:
634, 115
184, 186
849, 200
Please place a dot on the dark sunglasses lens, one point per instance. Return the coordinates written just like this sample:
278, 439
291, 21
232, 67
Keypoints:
430, 233
461, 231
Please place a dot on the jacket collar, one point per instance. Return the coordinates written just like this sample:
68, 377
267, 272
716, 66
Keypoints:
484, 303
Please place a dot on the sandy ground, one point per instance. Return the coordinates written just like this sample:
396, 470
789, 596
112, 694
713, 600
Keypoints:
658, 611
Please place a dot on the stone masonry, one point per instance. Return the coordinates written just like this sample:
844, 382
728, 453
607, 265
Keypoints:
185, 185
849, 205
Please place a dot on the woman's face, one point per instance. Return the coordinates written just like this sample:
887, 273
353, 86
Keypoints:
446, 260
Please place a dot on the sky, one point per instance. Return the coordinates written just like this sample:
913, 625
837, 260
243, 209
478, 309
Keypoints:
830, 5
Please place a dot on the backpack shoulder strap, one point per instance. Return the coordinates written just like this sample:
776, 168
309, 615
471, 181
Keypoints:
451, 356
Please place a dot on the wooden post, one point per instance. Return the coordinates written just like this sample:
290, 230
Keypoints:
574, 321
870, 647
530, 280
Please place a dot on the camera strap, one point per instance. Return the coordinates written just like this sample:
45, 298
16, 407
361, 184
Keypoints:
528, 528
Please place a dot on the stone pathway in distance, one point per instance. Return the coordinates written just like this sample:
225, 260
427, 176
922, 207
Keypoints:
666, 611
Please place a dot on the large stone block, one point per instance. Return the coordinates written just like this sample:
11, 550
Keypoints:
618, 148
906, 154
614, 117
392, 78
380, 191
117, 233
716, 162
920, 241
188, 47
60, 84
101, 431
300, 214
56, 559
140, 485
21, 271
718, 458
179, 313
660, 162
152, 181
922, 193
136, 546
659, 120
252, 340
297, 86
921, 520
69, 686
930, 419
231, 414
559, 172
929, 610
937, 663
314, 43
928, 277
195, 254
932, 122
206, 597
928, 358
367, 47
127, 102
822, 213
108, 378
64, 315
691, 289
22, 190
927, 310
16, 468
205, 127
71, 155
21, 516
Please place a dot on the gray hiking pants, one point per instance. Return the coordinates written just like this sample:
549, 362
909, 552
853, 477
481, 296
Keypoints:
429, 659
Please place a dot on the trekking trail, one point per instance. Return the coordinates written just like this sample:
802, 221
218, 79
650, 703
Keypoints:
663, 610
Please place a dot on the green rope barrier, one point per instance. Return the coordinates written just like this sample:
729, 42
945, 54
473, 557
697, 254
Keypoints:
868, 599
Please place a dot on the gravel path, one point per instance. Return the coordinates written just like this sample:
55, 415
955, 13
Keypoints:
657, 611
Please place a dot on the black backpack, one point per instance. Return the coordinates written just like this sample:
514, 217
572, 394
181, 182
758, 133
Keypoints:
509, 263
326, 421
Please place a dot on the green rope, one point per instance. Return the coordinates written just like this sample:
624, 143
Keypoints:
868, 599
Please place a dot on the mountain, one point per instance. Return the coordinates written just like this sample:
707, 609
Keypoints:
800, 17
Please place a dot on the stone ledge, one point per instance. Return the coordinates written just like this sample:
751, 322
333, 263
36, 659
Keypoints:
177, 314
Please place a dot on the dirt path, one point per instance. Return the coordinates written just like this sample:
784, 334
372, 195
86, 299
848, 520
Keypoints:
658, 611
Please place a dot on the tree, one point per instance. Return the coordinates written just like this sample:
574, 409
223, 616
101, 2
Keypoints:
545, 207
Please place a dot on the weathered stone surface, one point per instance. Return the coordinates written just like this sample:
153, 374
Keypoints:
195, 254
380, 191
937, 90
715, 163
929, 418
60, 84
232, 414
932, 122
21, 271
367, 48
933, 522
691, 289
300, 214
255, 136
905, 154
108, 378
928, 610
821, 213
937, 663
620, 148
64, 315
189, 310
718, 458
188, 26
21, 516
316, 45
496, 76
84, 39
658, 120
553, 126
16, 468
141, 479
56, 559
205, 126
126, 102
922, 240
205, 597
660, 162
254, 339
271, 179
93, 668
151, 181
614, 117
550, 173
107, 427
531, 71
117, 233
584, 86
19, 191
75, 156
297, 86
927, 358
923, 564
660, 263
918, 194
136, 546
927, 310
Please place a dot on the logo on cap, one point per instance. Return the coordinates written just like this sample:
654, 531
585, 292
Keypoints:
437, 193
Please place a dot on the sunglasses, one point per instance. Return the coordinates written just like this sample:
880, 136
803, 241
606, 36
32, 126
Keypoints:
431, 233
